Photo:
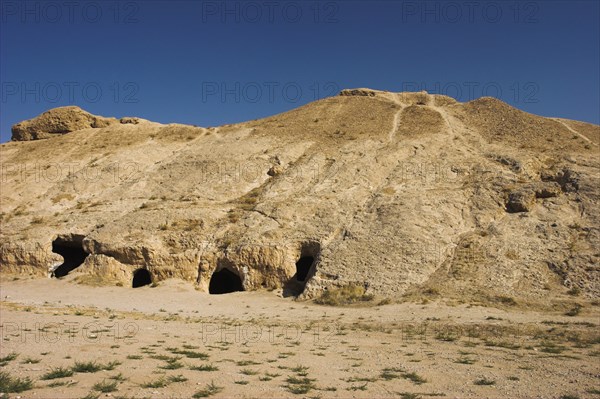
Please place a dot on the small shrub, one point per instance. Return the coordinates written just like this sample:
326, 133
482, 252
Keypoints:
205, 367
159, 383
105, 386
484, 381
574, 311
10, 384
86, 367
177, 378
210, 390
344, 295
58, 372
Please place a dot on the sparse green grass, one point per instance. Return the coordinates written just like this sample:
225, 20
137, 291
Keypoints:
414, 377
465, 360
210, 390
502, 344
408, 395
191, 354
177, 378
248, 372
172, 366
484, 381
446, 336
8, 358
118, 377
58, 372
105, 386
205, 367
241, 382
362, 387
10, 384
247, 363
55, 384
158, 383
391, 373
86, 367
549, 347
135, 357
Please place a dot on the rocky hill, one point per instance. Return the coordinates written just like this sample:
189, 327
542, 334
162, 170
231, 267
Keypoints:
401, 193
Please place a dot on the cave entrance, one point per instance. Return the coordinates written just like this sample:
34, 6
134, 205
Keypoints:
71, 249
225, 281
141, 277
303, 267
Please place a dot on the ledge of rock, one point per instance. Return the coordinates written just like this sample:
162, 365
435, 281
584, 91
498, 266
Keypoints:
58, 121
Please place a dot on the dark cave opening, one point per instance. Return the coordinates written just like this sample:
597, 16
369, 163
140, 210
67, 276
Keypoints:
71, 249
225, 281
303, 267
141, 277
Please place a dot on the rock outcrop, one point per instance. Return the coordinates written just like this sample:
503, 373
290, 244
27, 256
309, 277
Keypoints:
58, 121
397, 192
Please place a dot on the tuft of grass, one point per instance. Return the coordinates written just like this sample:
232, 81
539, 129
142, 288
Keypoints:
550, 347
210, 390
391, 373
10, 384
205, 367
345, 295
158, 383
415, 378
172, 365
465, 360
177, 378
241, 382
484, 381
135, 357
248, 372
299, 386
86, 367
58, 372
105, 386
8, 358
247, 363
408, 395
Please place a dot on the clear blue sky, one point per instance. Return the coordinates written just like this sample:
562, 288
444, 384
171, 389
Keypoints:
214, 62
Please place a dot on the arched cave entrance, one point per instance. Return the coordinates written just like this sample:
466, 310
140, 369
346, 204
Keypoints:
141, 277
303, 267
71, 249
225, 281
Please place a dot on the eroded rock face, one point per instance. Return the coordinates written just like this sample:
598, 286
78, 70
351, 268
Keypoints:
396, 192
58, 121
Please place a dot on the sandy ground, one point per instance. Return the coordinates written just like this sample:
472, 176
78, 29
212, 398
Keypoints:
262, 345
